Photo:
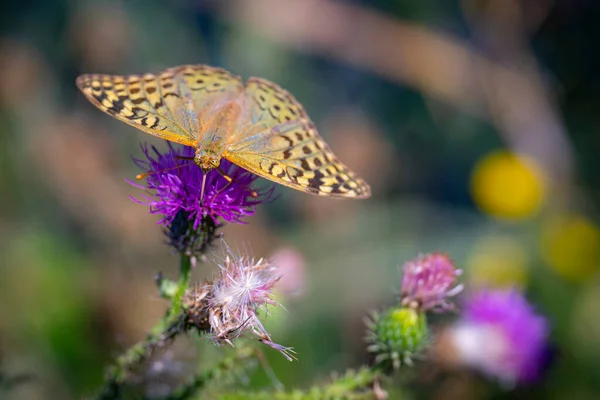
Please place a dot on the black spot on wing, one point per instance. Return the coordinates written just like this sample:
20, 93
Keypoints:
317, 180
335, 188
158, 104
304, 164
100, 97
139, 112
288, 152
117, 106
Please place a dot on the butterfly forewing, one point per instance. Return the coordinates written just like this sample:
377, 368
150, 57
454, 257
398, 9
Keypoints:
289, 150
168, 105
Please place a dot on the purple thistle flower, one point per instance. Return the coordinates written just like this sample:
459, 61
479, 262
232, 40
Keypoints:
428, 280
176, 191
228, 305
502, 335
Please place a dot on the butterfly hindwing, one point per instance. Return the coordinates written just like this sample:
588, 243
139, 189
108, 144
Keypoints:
294, 154
285, 146
270, 104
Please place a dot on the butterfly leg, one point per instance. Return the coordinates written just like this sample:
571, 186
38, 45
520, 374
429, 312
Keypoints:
142, 176
229, 180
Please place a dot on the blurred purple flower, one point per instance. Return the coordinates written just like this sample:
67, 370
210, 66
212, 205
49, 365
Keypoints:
502, 335
177, 191
428, 280
228, 305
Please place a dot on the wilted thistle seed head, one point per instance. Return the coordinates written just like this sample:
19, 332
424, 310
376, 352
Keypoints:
397, 336
228, 306
428, 281
195, 304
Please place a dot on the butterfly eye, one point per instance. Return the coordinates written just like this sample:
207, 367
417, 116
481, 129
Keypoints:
207, 161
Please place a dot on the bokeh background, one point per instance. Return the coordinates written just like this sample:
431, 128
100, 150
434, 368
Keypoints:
475, 121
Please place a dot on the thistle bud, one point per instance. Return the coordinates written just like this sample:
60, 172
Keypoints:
397, 336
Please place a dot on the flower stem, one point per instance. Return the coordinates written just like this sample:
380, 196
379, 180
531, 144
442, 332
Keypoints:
353, 385
167, 328
350, 382
174, 312
223, 368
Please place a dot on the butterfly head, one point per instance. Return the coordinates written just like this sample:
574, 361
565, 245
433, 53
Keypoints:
206, 160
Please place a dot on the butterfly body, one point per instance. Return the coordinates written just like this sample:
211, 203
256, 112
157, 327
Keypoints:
257, 125
212, 134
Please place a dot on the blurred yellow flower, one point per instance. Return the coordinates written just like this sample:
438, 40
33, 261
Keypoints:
498, 262
570, 244
508, 185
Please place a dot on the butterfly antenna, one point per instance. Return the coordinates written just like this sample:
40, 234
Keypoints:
142, 176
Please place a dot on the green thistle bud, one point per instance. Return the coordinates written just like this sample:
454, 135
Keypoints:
396, 336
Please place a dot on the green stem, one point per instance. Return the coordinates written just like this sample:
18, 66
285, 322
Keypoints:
351, 382
353, 385
166, 328
221, 369
174, 312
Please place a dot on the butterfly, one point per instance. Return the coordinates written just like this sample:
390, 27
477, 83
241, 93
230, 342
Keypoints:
257, 125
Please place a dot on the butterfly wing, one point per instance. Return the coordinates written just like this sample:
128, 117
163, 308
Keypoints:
287, 148
270, 104
206, 88
166, 105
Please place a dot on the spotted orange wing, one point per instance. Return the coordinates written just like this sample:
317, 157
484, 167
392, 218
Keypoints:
285, 146
167, 105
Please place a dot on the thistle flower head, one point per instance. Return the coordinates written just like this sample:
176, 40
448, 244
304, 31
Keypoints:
175, 188
397, 336
428, 281
501, 335
228, 306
